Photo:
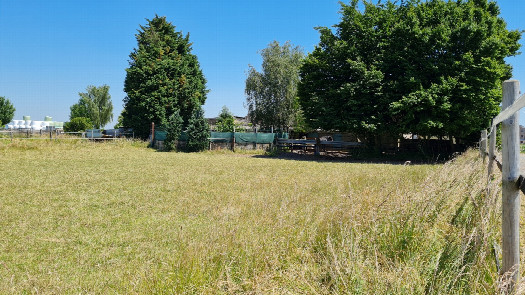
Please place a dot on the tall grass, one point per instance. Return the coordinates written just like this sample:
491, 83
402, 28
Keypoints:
116, 217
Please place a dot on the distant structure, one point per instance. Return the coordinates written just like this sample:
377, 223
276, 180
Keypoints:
240, 122
33, 125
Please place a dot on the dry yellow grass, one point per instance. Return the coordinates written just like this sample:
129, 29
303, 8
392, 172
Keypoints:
93, 218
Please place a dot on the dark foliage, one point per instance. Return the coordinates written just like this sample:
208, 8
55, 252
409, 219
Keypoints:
163, 77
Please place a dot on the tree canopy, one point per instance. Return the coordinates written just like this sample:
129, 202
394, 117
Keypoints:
94, 104
81, 109
7, 111
271, 95
163, 77
430, 68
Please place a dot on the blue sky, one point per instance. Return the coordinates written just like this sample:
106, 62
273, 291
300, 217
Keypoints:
51, 50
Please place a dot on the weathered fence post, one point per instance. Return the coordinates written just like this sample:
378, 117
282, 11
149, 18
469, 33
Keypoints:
273, 136
233, 140
510, 145
256, 138
492, 149
152, 133
483, 145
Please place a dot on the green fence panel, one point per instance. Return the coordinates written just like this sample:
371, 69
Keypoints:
160, 135
183, 136
240, 137
251, 137
265, 137
247, 137
221, 136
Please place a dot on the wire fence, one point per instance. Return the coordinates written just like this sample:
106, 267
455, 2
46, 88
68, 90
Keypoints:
58, 135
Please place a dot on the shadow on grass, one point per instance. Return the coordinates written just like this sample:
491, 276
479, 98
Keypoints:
362, 156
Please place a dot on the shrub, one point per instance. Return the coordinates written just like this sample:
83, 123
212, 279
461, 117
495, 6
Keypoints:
78, 124
225, 121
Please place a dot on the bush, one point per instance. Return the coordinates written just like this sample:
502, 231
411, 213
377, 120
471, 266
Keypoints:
198, 132
78, 124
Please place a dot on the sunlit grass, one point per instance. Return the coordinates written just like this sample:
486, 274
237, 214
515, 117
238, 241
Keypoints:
116, 217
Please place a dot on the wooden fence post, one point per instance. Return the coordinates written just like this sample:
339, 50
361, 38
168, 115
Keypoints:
483, 145
317, 146
233, 140
256, 138
510, 145
492, 149
152, 133
271, 144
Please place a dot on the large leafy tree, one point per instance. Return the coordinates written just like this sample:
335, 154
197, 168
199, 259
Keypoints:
163, 77
428, 68
94, 104
7, 111
271, 94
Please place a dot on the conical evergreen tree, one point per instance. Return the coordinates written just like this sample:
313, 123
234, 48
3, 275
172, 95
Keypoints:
198, 132
173, 129
163, 76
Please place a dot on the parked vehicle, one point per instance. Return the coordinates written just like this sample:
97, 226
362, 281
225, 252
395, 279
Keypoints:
120, 132
94, 133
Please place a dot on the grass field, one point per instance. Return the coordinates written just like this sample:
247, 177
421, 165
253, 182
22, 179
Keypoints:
92, 218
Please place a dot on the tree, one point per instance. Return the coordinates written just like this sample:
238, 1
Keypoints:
271, 95
80, 109
7, 111
163, 77
173, 129
198, 132
225, 121
119, 122
94, 104
431, 68
78, 124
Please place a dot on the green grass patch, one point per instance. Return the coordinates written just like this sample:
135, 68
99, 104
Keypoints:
116, 217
